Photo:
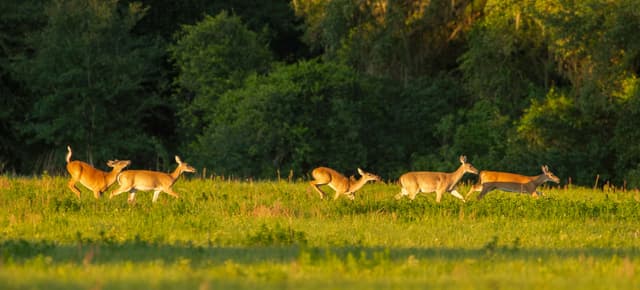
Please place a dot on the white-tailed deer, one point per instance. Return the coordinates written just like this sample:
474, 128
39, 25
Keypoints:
439, 182
339, 183
94, 179
132, 180
490, 180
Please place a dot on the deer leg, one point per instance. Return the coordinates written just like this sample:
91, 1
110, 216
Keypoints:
170, 192
438, 196
132, 196
485, 189
72, 186
402, 193
156, 194
477, 187
411, 191
314, 184
457, 194
534, 194
398, 196
119, 191
336, 195
413, 194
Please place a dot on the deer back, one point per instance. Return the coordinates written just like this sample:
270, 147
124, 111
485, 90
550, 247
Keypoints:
335, 180
425, 180
145, 179
89, 176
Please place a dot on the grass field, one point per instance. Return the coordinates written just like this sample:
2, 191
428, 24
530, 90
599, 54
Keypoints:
279, 235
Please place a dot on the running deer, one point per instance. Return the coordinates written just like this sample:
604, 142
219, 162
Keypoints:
133, 180
339, 183
490, 180
439, 182
94, 179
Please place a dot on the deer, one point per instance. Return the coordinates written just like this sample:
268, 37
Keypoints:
133, 180
339, 183
94, 179
439, 182
490, 180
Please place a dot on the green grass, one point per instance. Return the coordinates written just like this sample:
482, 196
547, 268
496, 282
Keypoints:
279, 235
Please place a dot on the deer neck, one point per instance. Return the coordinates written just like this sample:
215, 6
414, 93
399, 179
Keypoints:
110, 177
538, 179
454, 177
175, 174
354, 185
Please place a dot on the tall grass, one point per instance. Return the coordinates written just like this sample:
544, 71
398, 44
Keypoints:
277, 234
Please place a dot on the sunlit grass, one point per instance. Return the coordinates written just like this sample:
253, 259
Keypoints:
274, 235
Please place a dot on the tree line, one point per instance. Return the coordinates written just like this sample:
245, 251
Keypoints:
252, 88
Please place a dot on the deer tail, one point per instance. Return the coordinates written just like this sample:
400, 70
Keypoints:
68, 154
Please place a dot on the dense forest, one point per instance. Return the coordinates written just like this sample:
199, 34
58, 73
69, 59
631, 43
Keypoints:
259, 88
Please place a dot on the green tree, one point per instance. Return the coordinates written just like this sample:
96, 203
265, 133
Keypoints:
212, 57
94, 82
483, 135
558, 70
593, 44
507, 60
275, 19
401, 40
626, 134
17, 20
297, 117
556, 131
425, 118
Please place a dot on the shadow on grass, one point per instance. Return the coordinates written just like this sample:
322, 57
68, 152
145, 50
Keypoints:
504, 205
105, 253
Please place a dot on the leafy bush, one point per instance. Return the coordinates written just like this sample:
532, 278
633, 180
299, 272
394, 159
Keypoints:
213, 56
297, 117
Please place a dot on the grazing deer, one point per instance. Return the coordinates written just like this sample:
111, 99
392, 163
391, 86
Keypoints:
490, 180
339, 183
96, 180
133, 180
424, 181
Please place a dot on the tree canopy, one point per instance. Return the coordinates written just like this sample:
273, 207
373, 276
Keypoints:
249, 88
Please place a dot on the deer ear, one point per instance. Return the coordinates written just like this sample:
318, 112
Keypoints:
545, 168
360, 171
463, 159
178, 159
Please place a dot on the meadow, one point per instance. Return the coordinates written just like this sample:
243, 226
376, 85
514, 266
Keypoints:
225, 234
